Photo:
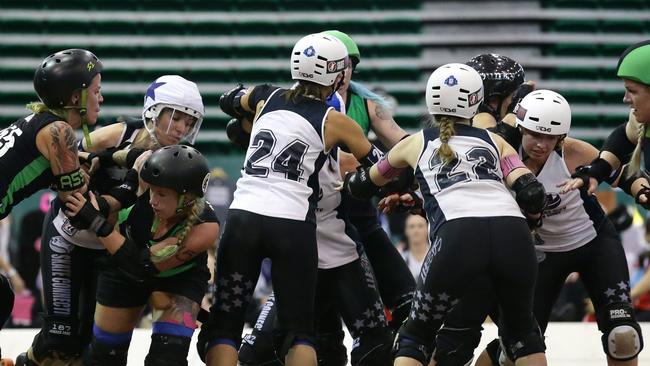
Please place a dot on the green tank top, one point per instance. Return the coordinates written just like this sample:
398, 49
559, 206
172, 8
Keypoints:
123, 214
357, 109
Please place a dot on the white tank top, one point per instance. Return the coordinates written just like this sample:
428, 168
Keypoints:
566, 222
286, 152
335, 247
87, 238
471, 186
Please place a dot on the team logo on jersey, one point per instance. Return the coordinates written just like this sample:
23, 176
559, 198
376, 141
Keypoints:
68, 228
473, 99
451, 81
309, 51
553, 200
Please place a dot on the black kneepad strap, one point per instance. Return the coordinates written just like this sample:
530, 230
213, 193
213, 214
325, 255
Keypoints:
530, 194
373, 348
209, 333
168, 350
529, 344
100, 354
406, 347
330, 349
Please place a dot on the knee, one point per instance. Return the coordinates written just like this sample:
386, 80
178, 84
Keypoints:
257, 349
107, 349
284, 341
622, 339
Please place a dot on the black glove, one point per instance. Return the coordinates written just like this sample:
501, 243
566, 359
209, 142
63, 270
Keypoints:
236, 133
359, 185
89, 218
520, 93
126, 193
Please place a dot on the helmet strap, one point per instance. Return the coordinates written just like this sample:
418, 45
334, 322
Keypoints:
83, 113
181, 203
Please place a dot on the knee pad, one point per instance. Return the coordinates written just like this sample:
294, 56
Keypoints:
372, 348
101, 354
456, 346
528, 344
493, 350
330, 349
209, 337
257, 350
407, 347
168, 350
622, 338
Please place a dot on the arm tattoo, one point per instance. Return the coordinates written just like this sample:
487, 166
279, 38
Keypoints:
381, 111
184, 255
63, 156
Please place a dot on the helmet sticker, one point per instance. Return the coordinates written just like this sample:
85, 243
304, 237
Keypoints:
309, 51
520, 112
151, 91
204, 185
90, 66
473, 98
451, 81
336, 66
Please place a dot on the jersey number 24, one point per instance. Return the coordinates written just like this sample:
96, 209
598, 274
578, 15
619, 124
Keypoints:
286, 160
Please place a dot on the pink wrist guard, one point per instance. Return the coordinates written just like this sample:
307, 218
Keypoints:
510, 163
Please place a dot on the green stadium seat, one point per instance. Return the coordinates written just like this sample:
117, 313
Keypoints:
575, 4
581, 96
568, 73
570, 49
572, 25
624, 26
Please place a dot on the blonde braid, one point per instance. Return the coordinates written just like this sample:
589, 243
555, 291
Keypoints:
192, 218
635, 162
446, 125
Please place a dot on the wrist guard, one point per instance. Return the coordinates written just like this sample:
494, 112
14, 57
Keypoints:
599, 169
132, 156
372, 157
88, 218
68, 182
126, 193
230, 102
359, 185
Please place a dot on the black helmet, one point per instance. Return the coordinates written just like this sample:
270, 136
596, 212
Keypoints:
501, 75
60, 74
178, 167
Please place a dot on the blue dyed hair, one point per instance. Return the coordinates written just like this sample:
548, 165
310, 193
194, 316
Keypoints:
363, 92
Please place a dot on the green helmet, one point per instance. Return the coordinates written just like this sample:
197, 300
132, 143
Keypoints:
634, 63
353, 49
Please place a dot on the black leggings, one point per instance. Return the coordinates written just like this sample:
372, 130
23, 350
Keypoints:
69, 286
464, 252
247, 239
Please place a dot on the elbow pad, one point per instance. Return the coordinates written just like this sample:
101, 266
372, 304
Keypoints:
236, 133
134, 261
359, 185
372, 157
618, 144
530, 194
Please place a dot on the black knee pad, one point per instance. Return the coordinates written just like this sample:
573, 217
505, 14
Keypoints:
622, 338
373, 348
407, 347
330, 349
100, 354
58, 338
257, 350
493, 350
528, 344
456, 346
209, 333
283, 341
168, 350
6, 300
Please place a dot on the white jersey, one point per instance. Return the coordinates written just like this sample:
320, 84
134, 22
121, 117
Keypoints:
568, 219
470, 186
333, 231
87, 238
286, 152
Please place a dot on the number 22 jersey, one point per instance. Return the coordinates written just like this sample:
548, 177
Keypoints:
471, 185
286, 152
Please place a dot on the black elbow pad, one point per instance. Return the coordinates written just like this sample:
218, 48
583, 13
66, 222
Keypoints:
618, 144
530, 194
134, 261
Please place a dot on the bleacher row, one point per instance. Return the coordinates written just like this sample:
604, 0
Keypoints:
220, 43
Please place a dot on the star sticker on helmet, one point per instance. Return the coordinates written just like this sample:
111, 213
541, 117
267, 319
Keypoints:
451, 81
151, 91
309, 51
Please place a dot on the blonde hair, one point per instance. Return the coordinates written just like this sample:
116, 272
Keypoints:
40, 107
635, 162
446, 127
191, 220
307, 89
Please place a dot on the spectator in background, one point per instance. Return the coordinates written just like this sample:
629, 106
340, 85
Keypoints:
417, 243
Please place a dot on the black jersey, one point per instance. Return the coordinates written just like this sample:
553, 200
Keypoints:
24, 169
138, 226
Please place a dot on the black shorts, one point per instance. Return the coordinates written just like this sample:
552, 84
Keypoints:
118, 290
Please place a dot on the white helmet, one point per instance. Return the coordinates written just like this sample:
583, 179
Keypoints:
319, 58
544, 111
454, 90
178, 94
